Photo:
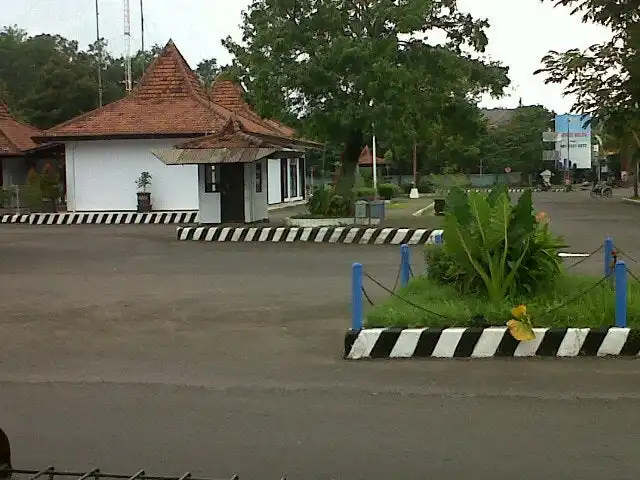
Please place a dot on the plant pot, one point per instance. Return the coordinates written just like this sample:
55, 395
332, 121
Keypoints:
144, 202
438, 206
49, 205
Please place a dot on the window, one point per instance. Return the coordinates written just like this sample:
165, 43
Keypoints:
293, 177
258, 177
210, 178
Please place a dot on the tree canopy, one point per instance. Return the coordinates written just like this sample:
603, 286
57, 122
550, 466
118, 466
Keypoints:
47, 79
339, 67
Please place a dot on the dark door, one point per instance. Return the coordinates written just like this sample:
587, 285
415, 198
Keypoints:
231, 181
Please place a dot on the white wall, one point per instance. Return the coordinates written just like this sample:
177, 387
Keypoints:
101, 176
273, 181
209, 202
255, 203
14, 171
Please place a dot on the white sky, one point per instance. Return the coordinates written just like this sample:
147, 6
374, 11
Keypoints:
522, 32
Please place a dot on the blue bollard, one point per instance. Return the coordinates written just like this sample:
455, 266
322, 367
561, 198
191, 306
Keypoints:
608, 257
356, 296
437, 239
621, 294
405, 265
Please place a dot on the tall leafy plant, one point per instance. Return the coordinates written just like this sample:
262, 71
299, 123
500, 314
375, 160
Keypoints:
500, 247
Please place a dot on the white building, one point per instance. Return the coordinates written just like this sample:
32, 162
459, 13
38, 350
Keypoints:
107, 149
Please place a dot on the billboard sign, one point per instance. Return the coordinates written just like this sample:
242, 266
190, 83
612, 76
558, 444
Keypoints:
571, 131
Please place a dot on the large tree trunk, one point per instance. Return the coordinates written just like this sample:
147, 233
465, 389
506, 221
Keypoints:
352, 150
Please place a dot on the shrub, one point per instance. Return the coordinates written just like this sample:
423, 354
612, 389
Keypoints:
425, 186
326, 203
442, 267
501, 248
388, 190
365, 192
50, 182
406, 188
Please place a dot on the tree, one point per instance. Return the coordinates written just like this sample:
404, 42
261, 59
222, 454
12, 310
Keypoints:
208, 71
336, 67
605, 78
518, 143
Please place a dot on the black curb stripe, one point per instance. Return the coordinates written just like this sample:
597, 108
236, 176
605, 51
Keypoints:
349, 340
408, 235
243, 235
355, 231
343, 235
192, 217
424, 237
65, 217
468, 342
427, 342
392, 233
593, 341
632, 344
123, 218
385, 343
359, 235
507, 346
270, 235
83, 218
329, 234
190, 233
103, 218
374, 236
163, 217
179, 233
314, 234
285, 233
172, 217
216, 233
551, 342
298, 235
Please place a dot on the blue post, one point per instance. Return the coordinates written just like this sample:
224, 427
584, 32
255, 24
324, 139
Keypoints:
621, 294
356, 296
438, 239
608, 257
405, 265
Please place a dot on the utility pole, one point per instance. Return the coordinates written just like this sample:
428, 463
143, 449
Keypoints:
142, 22
99, 43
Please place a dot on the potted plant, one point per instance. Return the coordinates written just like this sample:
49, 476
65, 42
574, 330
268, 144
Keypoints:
50, 188
144, 197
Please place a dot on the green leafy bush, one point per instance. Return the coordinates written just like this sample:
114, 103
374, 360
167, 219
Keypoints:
388, 190
365, 192
503, 249
425, 186
324, 202
442, 267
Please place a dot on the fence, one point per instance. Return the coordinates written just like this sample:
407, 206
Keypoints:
614, 270
19, 199
52, 474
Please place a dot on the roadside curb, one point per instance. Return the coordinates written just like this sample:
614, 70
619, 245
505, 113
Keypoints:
417, 213
101, 218
476, 342
516, 190
348, 235
630, 200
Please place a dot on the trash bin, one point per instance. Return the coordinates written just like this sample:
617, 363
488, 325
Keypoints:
361, 212
376, 209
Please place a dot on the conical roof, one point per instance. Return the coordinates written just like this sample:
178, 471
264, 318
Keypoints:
15, 137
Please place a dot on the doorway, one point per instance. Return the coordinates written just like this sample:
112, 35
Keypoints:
231, 181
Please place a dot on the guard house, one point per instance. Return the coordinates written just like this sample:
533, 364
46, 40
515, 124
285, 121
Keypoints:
233, 169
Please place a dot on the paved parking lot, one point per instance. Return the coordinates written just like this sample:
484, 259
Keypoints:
125, 349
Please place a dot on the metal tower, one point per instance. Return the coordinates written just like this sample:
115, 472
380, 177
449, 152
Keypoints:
127, 39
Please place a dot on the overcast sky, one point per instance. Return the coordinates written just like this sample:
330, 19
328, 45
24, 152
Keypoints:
522, 31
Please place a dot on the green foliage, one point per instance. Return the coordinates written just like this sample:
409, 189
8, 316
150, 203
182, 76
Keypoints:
365, 192
547, 308
442, 266
144, 181
444, 183
50, 182
502, 248
335, 68
425, 186
325, 202
388, 190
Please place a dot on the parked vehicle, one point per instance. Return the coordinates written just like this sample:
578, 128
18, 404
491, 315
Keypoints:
601, 189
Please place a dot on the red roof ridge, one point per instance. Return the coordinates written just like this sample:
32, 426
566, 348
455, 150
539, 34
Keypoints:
86, 115
4, 111
155, 82
15, 136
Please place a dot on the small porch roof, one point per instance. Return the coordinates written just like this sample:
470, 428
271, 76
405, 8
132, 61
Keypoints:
232, 144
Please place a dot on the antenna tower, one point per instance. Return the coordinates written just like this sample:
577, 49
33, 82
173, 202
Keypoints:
127, 39
99, 43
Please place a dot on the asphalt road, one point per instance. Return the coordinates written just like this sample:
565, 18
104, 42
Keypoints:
125, 349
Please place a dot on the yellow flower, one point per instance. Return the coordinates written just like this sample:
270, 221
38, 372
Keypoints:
519, 311
521, 331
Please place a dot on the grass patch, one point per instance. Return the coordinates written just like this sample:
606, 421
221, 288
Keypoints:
595, 309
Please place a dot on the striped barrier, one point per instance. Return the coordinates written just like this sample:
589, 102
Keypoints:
357, 235
102, 218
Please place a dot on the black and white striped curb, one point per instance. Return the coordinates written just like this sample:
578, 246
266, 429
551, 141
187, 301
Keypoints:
515, 190
377, 236
102, 218
489, 342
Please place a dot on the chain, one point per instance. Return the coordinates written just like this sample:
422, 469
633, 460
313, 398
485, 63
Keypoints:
585, 258
634, 276
408, 302
576, 297
625, 255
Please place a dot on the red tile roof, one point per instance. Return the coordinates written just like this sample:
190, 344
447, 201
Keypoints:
234, 135
366, 158
169, 100
15, 137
